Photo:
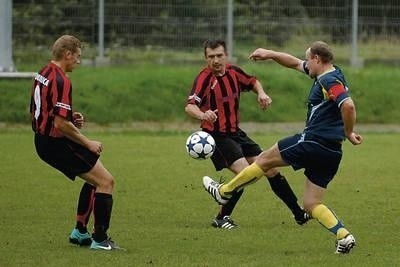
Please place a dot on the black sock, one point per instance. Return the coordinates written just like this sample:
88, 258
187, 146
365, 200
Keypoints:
102, 215
85, 206
226, 210
283, 190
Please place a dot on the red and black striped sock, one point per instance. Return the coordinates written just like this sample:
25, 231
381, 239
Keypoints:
85, 207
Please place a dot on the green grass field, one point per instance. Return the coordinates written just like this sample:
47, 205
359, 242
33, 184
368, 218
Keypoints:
151, 92
162, 214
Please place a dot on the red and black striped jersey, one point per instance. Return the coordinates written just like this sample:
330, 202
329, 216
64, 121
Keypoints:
51, 95
211, 92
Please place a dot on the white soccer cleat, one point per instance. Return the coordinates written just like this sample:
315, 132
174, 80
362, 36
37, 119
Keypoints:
344, 245
212, 187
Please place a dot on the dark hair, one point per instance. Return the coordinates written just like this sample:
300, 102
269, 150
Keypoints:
323, 51
213, 43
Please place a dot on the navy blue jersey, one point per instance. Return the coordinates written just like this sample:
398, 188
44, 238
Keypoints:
324, 119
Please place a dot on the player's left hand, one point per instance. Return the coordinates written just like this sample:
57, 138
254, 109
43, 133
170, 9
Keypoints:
210, 116
78, 119
264, 100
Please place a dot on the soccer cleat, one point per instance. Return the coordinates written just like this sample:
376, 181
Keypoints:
78, 238
344, 245
212, 187
302, 218
106, 244
225, 223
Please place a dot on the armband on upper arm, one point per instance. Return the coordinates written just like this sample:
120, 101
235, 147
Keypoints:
335, 91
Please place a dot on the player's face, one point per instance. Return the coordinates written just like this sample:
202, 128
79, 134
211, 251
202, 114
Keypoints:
72, 59
216, 59
312, 63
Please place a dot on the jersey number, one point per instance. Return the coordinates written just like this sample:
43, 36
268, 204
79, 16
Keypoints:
38, 103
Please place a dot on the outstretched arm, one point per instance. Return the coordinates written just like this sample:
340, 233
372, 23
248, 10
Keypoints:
284, 59
348, 111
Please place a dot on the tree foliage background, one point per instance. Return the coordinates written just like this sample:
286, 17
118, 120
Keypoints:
158, 22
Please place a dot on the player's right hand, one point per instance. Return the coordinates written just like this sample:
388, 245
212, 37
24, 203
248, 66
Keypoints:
261, 54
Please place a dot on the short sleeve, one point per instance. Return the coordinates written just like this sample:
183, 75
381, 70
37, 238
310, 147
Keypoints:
62, 97
199, 88
245, 80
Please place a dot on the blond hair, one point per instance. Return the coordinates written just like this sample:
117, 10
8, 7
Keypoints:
63, 44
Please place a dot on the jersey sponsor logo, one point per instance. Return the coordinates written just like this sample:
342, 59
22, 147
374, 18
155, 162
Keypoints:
41, 79
62, 105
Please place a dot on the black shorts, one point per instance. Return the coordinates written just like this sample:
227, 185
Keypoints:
70, 158
231, 147
319, 158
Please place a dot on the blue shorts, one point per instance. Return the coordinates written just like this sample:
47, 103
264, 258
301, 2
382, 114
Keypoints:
231, 147
319, 158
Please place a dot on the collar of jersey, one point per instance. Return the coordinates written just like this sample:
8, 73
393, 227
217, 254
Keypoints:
322, 74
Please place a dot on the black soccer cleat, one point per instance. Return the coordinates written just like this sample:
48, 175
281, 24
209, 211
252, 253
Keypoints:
225, 223
302, 218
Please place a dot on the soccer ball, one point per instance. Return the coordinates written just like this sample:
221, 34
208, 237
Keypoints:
200, 145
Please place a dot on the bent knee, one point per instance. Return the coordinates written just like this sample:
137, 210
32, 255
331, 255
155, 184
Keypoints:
109, 181
308, 208
269, 159
106, 183
272, 172
310, 205
265, 163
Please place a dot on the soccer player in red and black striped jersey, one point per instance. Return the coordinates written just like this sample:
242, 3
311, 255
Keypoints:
60, 143
214, 100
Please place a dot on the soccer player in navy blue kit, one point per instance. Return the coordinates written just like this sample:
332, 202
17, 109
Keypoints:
214, 100
60, 143
331, 118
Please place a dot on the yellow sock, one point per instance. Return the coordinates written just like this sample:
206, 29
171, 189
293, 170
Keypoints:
247, 176
328, 219
342, 232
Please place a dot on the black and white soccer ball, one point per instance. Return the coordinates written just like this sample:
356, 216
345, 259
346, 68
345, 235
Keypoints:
200, 145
